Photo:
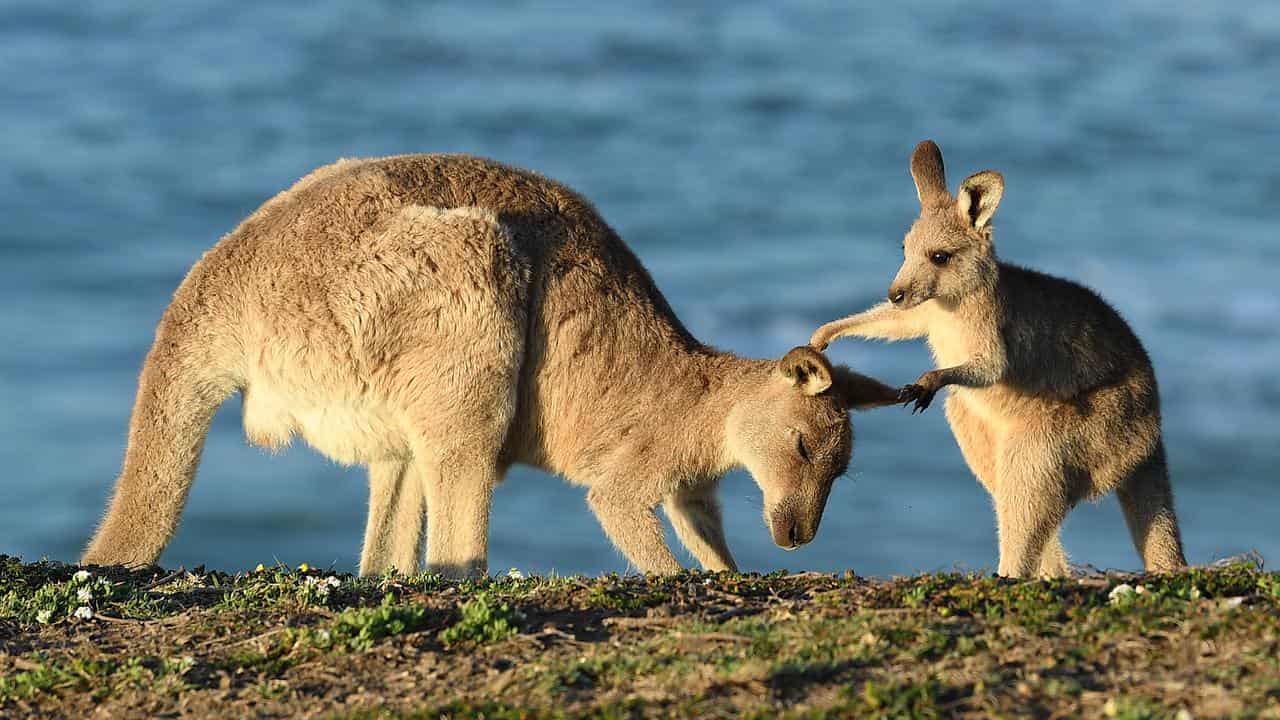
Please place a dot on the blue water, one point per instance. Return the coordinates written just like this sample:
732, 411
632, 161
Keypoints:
754, 157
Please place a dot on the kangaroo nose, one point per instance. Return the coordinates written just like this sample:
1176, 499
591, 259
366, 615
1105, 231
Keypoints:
897, 296
785, 532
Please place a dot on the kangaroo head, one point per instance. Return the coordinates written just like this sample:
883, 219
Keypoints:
947, 253
792, 432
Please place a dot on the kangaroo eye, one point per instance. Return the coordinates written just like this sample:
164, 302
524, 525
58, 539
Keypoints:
939, 257
800, 448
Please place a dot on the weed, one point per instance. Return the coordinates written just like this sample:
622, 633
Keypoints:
358, 629
901, 700
484, 621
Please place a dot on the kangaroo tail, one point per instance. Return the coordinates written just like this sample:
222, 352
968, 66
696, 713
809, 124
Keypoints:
178, 394
1147, 500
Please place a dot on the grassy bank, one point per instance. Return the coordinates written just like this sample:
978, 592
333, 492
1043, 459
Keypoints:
283, 642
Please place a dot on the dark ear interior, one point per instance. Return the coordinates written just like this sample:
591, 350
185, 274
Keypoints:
860, 392
806, 368
979, 196
930, 177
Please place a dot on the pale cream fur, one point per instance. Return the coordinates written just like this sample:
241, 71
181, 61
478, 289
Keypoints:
439, 318
1052, 398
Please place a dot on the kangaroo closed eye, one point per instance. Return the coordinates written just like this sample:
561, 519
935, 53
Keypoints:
800, 447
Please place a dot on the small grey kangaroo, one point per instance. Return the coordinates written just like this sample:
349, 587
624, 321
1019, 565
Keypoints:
439, 318
1052, 398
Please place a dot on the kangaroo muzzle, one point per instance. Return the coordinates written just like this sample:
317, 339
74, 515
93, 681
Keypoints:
791, 531
906, 295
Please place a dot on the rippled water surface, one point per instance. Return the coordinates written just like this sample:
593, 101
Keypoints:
756, 159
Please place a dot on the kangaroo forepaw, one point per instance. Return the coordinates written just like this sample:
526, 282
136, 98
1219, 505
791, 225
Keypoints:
918, 394
820, 340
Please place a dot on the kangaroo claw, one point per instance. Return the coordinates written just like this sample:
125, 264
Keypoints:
918, 394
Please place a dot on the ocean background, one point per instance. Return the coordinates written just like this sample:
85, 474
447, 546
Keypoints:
755, 157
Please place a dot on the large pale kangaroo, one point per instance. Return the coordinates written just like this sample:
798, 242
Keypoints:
1053, 399
439, 318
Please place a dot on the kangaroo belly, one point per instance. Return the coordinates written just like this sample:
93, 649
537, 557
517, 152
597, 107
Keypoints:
348, 430
980, 409
1001, 409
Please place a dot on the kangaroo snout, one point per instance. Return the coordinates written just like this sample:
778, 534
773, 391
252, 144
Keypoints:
908, 292
904, 296
789, 532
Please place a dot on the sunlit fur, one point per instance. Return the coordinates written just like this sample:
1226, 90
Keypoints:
1052, 397
439, 318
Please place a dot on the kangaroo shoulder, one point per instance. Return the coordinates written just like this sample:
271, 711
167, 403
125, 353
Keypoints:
1063, 333
1032, 297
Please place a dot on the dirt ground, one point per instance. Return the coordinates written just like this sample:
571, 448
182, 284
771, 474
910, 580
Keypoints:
284, 642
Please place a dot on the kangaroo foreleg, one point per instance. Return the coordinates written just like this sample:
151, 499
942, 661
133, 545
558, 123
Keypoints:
695, 515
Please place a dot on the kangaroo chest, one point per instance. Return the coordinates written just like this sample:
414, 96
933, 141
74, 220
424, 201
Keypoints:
952, 342
955, 341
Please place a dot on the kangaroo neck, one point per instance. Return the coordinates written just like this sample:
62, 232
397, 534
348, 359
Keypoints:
718, 381
973, 320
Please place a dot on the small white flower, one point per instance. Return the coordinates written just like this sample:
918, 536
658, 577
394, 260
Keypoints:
83, 613
515, 574
82, 576
1183, 715
44, 616
1141, 589
84, 595
321, 586
1120, 592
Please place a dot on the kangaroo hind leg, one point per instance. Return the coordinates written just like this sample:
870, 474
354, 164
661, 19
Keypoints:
459, 494
1035, 493
978, 446
455, 345
397, 513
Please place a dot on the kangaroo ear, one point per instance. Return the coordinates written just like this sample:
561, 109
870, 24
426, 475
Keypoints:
979, 196
927, 171
860, 392
807, 369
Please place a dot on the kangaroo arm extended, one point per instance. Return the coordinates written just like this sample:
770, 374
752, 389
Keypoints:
861, 392
883, 321
977, 373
